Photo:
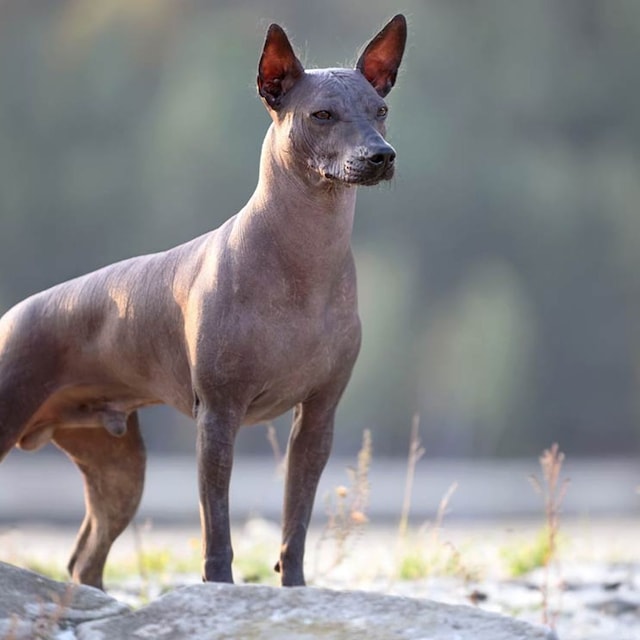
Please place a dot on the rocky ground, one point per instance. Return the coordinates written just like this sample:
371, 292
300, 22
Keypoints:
592, 591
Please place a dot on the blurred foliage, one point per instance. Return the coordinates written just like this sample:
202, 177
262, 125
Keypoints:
499, 274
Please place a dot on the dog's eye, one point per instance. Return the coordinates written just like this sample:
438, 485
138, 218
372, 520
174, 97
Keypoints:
382, 112
322, 115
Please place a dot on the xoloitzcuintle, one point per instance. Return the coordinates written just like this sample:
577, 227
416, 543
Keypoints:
232, 328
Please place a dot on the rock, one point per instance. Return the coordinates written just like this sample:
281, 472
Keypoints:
32, 606
225, 612
615, 606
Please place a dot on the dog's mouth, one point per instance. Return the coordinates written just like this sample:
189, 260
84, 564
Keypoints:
358, 173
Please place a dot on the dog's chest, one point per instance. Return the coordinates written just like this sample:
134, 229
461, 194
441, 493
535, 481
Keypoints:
283, 388
280, 356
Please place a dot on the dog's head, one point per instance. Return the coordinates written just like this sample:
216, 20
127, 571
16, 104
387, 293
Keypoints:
330, 123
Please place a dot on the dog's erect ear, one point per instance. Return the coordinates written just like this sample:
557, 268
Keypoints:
279, 69
380, 60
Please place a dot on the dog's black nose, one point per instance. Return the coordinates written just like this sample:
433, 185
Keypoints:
381, 158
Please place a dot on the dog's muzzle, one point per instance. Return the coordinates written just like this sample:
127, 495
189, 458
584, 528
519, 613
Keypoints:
370, 168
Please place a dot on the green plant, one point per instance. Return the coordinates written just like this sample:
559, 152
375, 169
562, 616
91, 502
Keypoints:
523, 557
51, 569
414, 566
151, 563
154, 566
253, 566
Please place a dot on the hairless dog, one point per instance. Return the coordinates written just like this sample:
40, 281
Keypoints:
232, 328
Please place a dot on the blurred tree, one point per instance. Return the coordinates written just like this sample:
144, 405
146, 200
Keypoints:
499, 274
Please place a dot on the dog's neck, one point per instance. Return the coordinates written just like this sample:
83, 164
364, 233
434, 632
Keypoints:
307, 219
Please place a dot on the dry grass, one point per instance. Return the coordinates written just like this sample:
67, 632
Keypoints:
426, 553
278, 456
346, 509
429, 554
47, 623
420, 553
552, 488
416, 451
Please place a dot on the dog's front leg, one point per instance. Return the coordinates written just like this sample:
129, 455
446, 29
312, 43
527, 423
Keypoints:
308, 451
216, 437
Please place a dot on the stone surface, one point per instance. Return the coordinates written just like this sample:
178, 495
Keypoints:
594, 591
226, 612
32, 606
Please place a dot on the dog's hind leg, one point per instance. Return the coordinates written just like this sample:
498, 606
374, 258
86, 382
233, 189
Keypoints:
8, 437
17, 407
113, 470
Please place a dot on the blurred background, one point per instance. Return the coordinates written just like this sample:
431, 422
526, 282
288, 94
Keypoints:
499, 274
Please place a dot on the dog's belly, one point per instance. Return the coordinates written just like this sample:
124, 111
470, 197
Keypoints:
273, 403
264, 411
82, 406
